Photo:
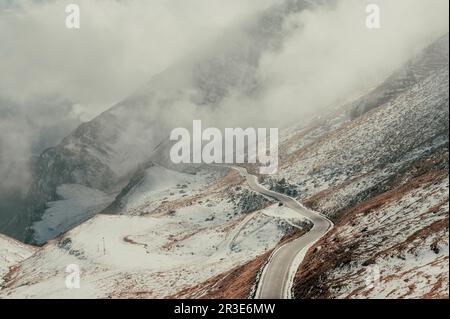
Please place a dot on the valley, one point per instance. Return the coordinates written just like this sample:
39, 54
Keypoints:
355, 205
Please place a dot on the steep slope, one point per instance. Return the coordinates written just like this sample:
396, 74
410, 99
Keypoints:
12, 253
392, 246
104, 153
156, 251
382, 176
337, 162
431, 60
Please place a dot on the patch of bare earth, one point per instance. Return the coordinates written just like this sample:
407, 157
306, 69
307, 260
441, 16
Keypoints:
402, 232
237, 283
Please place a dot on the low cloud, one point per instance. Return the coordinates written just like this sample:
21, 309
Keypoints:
120, 45
329, 56
53, 78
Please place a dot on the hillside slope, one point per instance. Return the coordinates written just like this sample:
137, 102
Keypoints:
381, 173
382, 177
205, 227
104, 153
12, 253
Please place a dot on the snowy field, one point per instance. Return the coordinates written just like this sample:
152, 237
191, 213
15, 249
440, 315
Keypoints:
77, 204
12, 253
154, 255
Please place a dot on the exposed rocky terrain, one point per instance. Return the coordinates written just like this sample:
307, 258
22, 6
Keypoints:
394, 245
377, 166
382, 175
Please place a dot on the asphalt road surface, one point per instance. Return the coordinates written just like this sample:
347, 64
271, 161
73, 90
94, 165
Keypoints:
278, 275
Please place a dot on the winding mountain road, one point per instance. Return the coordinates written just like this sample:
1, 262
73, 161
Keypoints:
278, 275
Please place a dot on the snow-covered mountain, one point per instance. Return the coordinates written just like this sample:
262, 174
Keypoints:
107, 199
381, 173
378, 167
105, 153
12, 253
173, 236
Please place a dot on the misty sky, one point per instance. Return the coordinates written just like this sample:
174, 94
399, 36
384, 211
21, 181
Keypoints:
120, 45
123, 43
52, 78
